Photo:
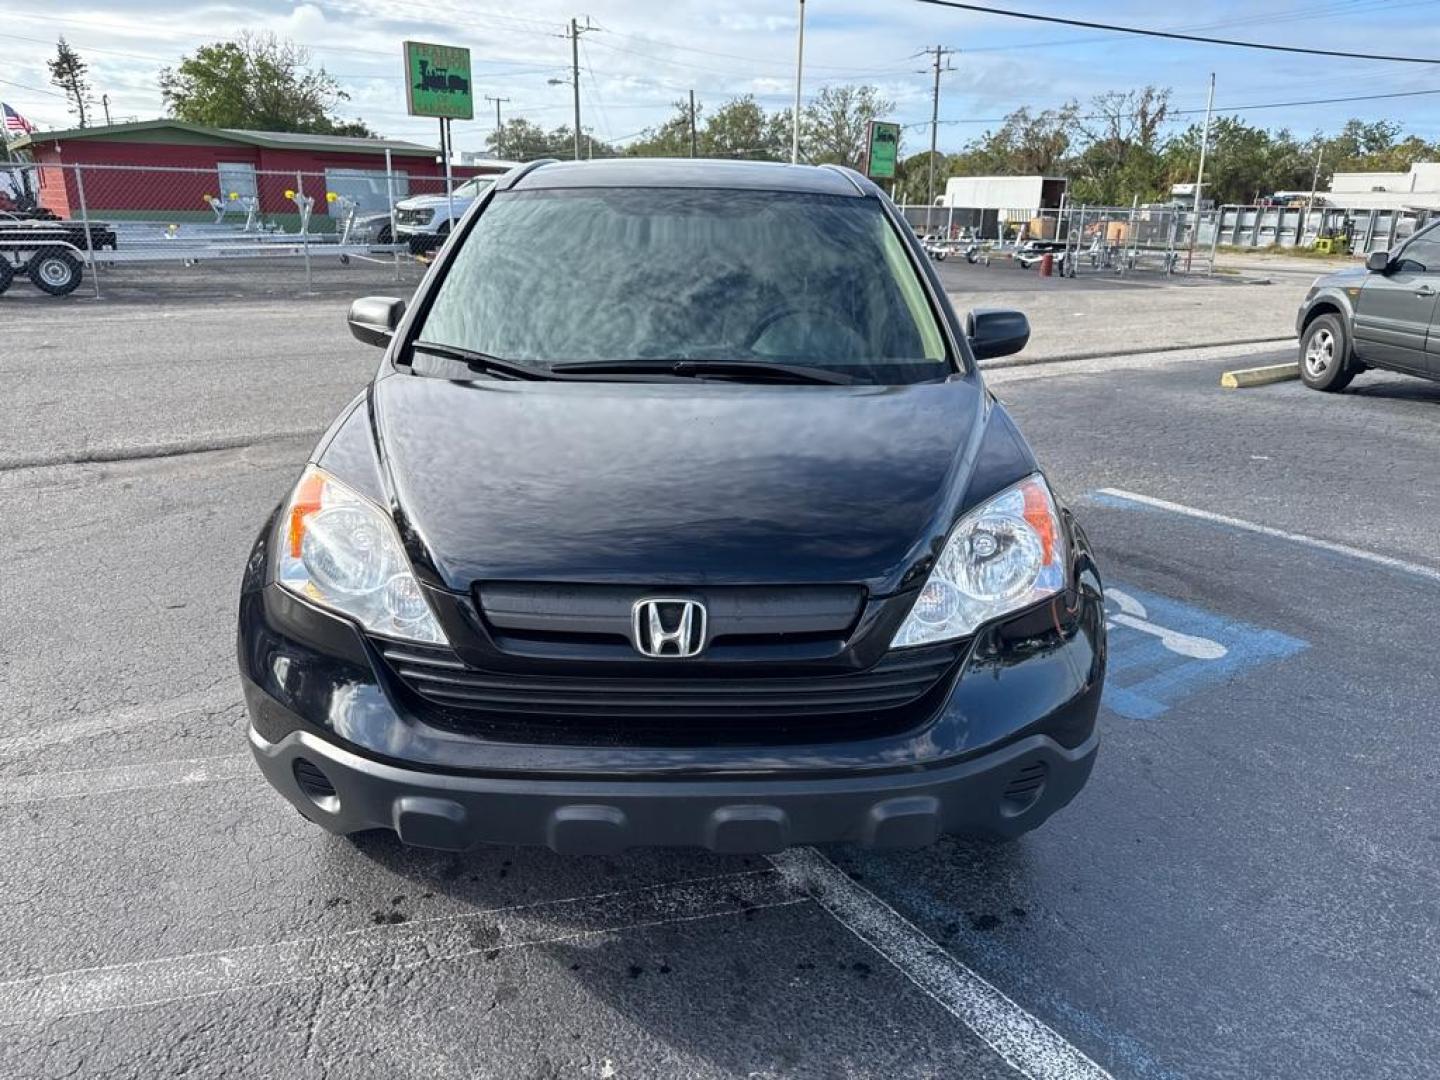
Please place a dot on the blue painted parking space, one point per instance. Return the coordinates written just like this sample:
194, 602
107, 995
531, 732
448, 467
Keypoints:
1163, 651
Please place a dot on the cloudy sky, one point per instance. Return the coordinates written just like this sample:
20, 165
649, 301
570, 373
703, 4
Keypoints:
646, 54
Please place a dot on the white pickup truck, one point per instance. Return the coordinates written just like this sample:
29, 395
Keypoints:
423, 222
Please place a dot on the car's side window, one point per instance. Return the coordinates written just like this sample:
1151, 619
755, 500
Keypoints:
1420, 257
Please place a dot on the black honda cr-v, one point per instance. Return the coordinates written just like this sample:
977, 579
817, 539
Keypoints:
677, 513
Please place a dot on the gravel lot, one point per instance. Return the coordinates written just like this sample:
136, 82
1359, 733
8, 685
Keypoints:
1248, 887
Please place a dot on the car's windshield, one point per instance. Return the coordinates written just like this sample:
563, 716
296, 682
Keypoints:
472, 188
637, 274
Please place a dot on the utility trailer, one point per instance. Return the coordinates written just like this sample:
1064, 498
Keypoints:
50, 252
54, 253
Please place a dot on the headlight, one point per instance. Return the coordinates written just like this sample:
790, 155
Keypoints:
341, 551
1002, 556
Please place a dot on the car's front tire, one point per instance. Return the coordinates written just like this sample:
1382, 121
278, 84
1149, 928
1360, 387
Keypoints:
1325, 355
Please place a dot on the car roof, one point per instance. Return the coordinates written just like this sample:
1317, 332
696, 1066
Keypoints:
688, 173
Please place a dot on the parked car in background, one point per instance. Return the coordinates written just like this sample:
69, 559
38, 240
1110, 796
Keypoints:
1381, 315
424, 221
677, 514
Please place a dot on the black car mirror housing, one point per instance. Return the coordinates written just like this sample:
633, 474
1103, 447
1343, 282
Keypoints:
373, 319
996, 332
1377, 262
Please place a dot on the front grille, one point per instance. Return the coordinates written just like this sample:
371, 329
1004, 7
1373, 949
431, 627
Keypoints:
414, 217
745, 622
898, 693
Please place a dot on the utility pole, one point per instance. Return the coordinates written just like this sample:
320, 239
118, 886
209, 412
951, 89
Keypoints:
1315, 180
105, 101
799, 71
499, 127
575, 78
941, 54
692, 124
1200, 174
574, 35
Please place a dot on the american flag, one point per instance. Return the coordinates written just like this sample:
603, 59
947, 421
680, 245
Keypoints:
15, 124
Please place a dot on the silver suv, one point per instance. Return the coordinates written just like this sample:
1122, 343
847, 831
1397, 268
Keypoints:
424, 221
1382, 315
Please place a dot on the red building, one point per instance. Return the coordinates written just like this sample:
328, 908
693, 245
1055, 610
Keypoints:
171, 168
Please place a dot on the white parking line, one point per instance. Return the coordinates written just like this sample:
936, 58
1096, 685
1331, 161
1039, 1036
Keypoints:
1025, 1042
1387, 561
43, 998
78, 783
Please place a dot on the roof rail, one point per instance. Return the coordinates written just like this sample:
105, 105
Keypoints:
514, 176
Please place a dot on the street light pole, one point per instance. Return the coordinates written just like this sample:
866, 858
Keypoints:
692, 124
799, 70
1200, 176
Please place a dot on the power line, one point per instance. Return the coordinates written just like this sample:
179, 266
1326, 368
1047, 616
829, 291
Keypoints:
1197, 112
36, 89
1113, 28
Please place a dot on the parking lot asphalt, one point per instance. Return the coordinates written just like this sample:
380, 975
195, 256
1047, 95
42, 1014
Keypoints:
1248, 886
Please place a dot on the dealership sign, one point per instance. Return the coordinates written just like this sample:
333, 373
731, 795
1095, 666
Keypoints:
884, 145
437, 81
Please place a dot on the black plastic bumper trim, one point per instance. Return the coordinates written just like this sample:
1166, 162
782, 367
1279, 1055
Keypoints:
457, 812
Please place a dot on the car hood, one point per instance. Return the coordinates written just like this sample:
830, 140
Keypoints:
427, 202
674, 483
1350, 275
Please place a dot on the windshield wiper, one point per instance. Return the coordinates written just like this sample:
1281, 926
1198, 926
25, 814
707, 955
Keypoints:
758, 370
479, 361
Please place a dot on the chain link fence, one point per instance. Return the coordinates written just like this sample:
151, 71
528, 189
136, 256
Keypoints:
1075, 238
1166, 238
130, 224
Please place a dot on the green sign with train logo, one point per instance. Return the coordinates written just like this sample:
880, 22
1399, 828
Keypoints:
437, 81
884, 145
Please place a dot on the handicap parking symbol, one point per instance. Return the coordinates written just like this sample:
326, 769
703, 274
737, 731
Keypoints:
1162, 651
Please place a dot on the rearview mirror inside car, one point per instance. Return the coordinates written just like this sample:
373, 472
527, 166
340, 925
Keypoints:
1377, 262
373, 318
996, 332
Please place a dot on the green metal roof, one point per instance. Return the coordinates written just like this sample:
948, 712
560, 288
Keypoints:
192, 134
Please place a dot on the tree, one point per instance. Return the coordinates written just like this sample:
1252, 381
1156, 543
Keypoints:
68, 71
1122, 157
833, 126
670, 139
524, 141
1025, 145
1243, 162
257, 82
742, 129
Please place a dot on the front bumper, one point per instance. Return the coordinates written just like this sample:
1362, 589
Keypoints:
419, 238
1003, 793
1013, 741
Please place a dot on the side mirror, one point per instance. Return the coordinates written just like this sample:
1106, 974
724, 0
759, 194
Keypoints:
1377, 262
996, 332
373, 319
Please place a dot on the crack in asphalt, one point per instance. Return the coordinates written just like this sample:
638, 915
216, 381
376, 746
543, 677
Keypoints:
179, 448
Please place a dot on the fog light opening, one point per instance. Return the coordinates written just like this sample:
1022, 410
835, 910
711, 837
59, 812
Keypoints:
1024, 789
316, 786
